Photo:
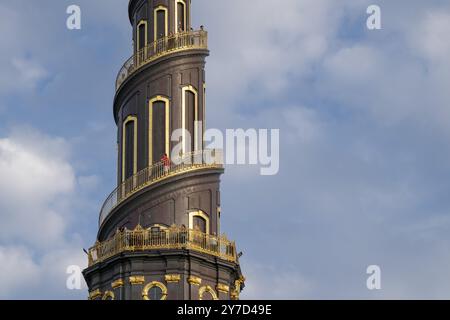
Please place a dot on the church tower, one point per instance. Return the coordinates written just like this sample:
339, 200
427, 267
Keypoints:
159, 231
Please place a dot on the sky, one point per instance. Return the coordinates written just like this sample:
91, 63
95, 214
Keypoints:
364, 142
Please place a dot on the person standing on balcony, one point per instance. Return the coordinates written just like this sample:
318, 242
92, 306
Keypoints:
171, 39
183, 234
166, 163
214, 244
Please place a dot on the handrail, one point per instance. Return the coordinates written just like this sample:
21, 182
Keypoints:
161, 47
155, 173
175, 237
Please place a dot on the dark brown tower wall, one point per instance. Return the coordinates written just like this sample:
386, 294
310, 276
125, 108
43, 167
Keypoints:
153, 266
166, 77
168, 203
144, 10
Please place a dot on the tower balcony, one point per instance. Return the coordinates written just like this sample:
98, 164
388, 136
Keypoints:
197, 160
140, 240
162, 47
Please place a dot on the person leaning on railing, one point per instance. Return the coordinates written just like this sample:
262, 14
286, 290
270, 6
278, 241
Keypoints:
197, 236
166, 163
171, 42
183, 234
126, 236
213, 243
161, 44
202, 38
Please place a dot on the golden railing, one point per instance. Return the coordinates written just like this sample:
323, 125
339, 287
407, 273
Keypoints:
178, 42
175, 237
188, 162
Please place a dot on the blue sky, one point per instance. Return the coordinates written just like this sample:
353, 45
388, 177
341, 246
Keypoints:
364, 119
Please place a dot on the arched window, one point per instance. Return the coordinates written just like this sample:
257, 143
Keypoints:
154, 291
207, 293
190, 117
141, 38
203, 117
180, 16
199, 220
157, 230
161, 25
129, 147
159, 129
199, 224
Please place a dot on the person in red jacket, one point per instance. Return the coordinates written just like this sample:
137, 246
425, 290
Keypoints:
166, 163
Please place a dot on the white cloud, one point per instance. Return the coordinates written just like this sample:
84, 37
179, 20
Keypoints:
431, 36
38, 186
53, 268
29, 72
396, 76
376, 164
355, 64
18, 272
18, 74
259, 52
301, 125
25, 276
36, 179
40, 48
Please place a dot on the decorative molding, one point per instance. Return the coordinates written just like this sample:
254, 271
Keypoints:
237, 288
172, 278
108, 294
206, 289
117, 284
172, 238
160, 226
151, 285
223, 288
135, 280
196, 281
95, 294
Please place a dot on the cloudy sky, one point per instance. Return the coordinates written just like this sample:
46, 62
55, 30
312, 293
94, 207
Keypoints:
365, 131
